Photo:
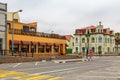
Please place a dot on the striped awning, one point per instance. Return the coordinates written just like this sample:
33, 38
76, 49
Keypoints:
15, 42
49, 44
42, 43
56, 44
26, 42
33, 43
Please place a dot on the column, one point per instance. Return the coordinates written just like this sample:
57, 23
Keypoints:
36, 48
19, 47
44, 48
52, 49
29, 48
64, 49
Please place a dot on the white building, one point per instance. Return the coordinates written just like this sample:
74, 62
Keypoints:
3, 25
97, 38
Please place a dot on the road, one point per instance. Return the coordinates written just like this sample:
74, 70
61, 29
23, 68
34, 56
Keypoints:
100, 68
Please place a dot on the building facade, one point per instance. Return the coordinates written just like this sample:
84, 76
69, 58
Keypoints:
3, 22
97, 38
28, 40
70, 44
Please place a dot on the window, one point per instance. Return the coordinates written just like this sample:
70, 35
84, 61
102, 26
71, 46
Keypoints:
100, 39
25, 48
105, 40
25, 28
40, 49
110, 40
32, 29
33, 49
16, 48
83, 49
56, 48
76, 40
98, 31
83, 40
48, 49
93, 40
0, 40
76, 49
73, 44
108, 49
93, 49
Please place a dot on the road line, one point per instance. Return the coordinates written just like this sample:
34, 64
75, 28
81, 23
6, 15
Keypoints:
16, 65
68, 69
33, 77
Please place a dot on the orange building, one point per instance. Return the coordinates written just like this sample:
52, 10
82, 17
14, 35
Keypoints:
28, 40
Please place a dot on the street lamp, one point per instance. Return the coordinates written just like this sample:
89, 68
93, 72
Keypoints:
13, 29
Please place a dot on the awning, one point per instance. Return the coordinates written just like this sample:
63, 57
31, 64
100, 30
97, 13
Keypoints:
15, 42
41, 43
49, 44
33, 43
26, 42
56, 44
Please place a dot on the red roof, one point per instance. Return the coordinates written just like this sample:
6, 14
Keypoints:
91, 27
68, 37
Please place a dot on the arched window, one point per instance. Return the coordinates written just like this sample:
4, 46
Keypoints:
105, 40
83, 40
76, 40
93, 49
76, 49
93, 40
100, 39
110, 40
83, 49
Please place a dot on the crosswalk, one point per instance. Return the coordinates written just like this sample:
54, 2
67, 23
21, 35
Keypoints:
14, 75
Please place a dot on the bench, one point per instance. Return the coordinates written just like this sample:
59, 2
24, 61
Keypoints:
66, 60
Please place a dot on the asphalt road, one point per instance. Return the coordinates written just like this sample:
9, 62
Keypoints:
100, 68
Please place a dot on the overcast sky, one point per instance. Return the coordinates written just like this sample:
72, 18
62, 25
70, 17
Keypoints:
64, 16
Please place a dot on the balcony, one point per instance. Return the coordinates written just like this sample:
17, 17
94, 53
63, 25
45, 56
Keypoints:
37, 34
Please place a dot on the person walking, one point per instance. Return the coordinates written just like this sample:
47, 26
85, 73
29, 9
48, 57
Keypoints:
90, 53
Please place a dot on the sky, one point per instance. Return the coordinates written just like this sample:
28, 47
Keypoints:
64, 16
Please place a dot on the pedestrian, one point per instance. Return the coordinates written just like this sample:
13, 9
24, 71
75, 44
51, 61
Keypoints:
90, 54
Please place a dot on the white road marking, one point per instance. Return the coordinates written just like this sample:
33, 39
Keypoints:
16, 65
68, 69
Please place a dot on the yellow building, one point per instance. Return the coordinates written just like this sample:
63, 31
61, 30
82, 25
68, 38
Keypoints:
28, 40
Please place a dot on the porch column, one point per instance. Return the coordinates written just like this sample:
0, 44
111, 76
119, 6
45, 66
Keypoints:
44, 48
52, 49
19, 47
36, 48
29, 48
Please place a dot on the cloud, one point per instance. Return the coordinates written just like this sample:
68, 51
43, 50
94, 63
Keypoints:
64, 16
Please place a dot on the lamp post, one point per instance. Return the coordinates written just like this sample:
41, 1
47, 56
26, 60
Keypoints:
13, 29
